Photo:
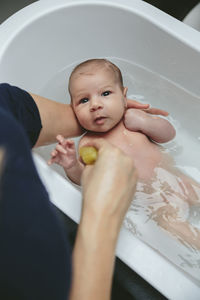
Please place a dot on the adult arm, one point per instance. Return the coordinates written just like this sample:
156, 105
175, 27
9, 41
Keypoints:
57, 118
108, 188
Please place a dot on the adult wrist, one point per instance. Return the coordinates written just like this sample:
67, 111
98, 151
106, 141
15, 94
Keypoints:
100, 227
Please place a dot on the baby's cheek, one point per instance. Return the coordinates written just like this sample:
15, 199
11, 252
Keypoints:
83, 122
82, 116
118, 114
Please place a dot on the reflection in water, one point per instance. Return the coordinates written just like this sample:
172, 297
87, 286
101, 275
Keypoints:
194, 215
165, 213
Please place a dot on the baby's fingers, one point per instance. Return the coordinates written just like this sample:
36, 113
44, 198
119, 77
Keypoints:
60, 149
70, 144
54, 153
53, 160
50, 161
53, 156
60, 138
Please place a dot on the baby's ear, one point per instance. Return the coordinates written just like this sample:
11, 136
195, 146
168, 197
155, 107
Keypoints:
125, 89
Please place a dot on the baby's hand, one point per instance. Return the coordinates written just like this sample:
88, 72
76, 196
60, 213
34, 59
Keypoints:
64, 153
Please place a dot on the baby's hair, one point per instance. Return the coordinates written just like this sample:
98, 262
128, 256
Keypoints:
98, 62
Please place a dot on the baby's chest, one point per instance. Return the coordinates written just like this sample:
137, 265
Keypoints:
129, 142
145, 154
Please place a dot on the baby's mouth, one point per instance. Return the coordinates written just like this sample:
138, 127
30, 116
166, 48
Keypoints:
99, 120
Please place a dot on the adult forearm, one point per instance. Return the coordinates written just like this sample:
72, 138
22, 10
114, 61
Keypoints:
108, 188
93, 259
57, 118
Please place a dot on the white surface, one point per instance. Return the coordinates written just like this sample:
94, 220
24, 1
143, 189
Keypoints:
143, 259
48, 36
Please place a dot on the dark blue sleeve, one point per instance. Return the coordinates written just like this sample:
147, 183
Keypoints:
34, 252
22, 107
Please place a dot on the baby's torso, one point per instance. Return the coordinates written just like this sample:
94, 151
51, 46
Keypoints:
146, 154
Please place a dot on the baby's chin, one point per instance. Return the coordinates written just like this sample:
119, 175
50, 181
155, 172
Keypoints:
100, 130
103, 128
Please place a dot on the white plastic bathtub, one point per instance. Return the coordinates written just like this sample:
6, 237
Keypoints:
160, 59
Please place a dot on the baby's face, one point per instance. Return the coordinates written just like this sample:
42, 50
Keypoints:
98, 100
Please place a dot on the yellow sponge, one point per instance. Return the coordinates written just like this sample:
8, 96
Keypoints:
88, 154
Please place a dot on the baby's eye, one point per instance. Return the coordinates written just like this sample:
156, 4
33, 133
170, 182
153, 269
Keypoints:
106, 93
84, 100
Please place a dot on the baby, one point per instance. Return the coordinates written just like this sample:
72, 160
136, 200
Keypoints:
99, 101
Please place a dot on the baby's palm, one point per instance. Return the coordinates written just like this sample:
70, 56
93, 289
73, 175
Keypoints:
64, 154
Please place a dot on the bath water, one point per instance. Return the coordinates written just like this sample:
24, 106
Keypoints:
184, 107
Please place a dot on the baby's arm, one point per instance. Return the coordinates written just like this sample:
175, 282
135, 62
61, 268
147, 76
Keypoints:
65, 155
158, 129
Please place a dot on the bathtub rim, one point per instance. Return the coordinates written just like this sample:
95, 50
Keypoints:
11, 27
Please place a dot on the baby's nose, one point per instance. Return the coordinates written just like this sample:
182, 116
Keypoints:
95, 104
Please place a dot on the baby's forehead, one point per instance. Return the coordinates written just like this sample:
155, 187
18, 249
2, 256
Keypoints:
91, 70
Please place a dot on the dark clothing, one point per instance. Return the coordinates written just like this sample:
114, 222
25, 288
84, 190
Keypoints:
34, 253
19, 104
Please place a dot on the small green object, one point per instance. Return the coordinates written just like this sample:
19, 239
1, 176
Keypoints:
88, 154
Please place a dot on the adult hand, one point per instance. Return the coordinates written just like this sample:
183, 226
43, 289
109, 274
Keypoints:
146, 108
109, 184
108, 188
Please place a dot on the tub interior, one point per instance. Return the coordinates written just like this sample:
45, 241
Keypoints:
160, 61
149, 87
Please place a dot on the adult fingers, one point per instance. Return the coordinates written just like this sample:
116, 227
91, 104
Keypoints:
136, 104
156, 111
146, 108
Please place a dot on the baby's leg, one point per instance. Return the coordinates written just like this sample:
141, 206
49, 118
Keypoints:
190, 188
181, 195
167, 218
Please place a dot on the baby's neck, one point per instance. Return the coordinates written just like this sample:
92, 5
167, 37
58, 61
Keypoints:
118, 125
